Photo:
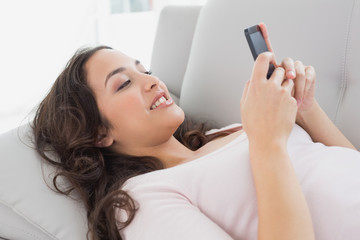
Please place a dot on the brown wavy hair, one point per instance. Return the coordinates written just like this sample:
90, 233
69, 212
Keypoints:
67, 124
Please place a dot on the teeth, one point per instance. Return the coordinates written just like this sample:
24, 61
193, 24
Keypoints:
158, 102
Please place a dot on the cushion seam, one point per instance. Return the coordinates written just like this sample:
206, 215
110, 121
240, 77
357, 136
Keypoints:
344, 74
23, 216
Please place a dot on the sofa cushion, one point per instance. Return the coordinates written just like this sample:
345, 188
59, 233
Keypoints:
172, 45
348, 115
220, 61
28, 207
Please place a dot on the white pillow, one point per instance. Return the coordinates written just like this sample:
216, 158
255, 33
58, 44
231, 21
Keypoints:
29, 209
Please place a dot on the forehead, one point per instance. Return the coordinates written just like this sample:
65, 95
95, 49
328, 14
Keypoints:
102, 63
106, 60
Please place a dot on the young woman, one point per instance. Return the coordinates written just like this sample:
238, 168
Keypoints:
144, 173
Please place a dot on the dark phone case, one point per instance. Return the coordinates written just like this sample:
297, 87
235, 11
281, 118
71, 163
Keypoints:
257, 44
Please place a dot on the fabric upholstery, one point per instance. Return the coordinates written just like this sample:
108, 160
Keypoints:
28, 208
324, 34
202, 55
172, 45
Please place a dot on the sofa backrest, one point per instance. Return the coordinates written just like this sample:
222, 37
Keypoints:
324, 34
172, 45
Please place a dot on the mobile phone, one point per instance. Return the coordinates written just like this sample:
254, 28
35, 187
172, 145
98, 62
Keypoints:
257, 44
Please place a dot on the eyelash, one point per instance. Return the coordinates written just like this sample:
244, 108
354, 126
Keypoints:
126, 83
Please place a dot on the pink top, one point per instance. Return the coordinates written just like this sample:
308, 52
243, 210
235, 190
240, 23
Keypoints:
213, 197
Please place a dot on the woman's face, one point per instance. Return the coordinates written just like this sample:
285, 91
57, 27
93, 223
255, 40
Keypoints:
137, 105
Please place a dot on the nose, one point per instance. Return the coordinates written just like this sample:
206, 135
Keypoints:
151, 82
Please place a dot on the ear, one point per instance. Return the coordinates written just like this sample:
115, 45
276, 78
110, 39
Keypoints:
104, 139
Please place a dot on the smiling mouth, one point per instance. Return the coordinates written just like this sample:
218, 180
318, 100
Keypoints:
158, 102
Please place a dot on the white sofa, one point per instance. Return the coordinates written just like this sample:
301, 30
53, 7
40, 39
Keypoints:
202, 55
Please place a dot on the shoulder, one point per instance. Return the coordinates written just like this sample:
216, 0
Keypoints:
157, 186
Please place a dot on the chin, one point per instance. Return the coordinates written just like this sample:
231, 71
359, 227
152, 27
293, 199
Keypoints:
181, 115
177, 118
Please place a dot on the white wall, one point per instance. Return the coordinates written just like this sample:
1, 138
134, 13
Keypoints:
159, 4
134, 33
131, 33
37, 37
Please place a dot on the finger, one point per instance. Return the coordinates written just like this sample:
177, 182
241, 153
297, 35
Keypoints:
310, 76
300, 82
278, 76
245, 91
265, 34
293, 93
288, 85
289, 66
261, 66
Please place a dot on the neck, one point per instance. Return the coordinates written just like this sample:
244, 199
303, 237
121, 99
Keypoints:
170, 153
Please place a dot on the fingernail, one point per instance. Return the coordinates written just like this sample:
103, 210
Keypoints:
291, 74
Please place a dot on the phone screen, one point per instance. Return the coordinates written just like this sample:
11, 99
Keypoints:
257, 44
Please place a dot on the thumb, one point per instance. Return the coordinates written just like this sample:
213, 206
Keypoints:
245, 91
261, 66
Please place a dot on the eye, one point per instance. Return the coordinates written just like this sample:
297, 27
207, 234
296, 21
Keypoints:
126, 83
148, 72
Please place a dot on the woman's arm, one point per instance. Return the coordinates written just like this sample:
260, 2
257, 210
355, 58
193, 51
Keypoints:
321, 129
268, 115
282, 208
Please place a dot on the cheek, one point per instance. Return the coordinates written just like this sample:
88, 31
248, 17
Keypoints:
123, 108
126, 110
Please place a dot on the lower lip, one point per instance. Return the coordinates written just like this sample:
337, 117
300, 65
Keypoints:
165, 104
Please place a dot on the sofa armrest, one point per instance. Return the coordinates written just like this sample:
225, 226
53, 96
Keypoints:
172, 45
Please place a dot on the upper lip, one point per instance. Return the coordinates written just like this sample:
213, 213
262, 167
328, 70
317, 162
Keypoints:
158, 95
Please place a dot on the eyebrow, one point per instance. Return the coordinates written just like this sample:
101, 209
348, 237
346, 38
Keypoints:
118, 70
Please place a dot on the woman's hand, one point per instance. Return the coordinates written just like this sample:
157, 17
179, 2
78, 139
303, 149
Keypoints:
304, 79
309, 115
268, 114
267, 107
